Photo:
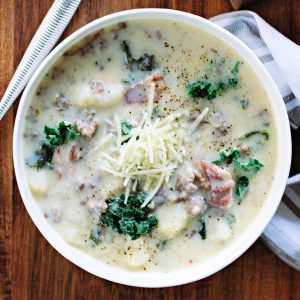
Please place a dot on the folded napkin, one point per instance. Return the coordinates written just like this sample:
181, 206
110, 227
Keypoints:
281, 57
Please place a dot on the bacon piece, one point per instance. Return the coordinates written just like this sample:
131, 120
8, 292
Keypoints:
74, 153
61, 102
221, 184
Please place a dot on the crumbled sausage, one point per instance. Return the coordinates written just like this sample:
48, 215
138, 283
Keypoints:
196, 205
186, 178
137, 93
99, 206
61, 102
87, 124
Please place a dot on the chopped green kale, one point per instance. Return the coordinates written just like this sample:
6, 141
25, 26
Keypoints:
95, 238
205, 89
54, 138
252, 164
236, 68
57, 136
126, 128
144, 63
42, 156
228, 156
263, 133
202, 229
130, 218
233, 156
242, 185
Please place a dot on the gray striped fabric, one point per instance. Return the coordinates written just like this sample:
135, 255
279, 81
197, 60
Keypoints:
283, 233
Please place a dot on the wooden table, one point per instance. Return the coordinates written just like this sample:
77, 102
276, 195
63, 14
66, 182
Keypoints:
30, 268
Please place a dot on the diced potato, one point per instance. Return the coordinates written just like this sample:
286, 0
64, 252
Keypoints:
39, 181
111, 185
218, 230
172, 218
73, 235
110, 96
137, 255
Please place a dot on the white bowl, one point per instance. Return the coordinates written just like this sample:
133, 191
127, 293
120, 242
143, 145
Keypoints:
228, 254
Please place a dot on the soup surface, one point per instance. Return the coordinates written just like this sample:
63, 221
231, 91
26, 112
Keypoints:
150, 145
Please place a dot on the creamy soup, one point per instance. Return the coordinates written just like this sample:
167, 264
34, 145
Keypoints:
150, 145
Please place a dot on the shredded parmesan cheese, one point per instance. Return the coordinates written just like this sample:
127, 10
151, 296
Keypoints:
198, 120
149, 156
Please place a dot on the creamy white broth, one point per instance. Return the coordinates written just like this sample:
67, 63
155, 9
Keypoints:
67, 190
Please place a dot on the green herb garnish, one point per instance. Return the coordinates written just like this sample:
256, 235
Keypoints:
236, 68
54, 138
126, 128
242, 185
233, 156
205, 89
57, 136
42, 156
130, 218
144, 63
94, 238
263, 133
202, 229
252, 164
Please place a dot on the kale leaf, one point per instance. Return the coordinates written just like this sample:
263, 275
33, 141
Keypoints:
205, 89
242, 185
202, 229
233, 156
42, 156
54, 138
263, 133
57, 136
129, 219
144, 63
95, 238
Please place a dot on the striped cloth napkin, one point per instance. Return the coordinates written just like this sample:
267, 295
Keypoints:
281, 57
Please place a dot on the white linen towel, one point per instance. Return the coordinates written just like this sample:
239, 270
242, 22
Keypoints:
281, 57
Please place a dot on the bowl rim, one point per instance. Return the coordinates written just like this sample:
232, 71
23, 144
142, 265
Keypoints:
240, 244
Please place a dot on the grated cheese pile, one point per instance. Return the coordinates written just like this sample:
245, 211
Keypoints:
149, 157
149, 154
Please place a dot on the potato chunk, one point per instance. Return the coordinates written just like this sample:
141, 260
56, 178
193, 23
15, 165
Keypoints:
109, 97
137, 255
39, 181
218, 230
172, 218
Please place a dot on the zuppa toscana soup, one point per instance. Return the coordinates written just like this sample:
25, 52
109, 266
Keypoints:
150, 145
